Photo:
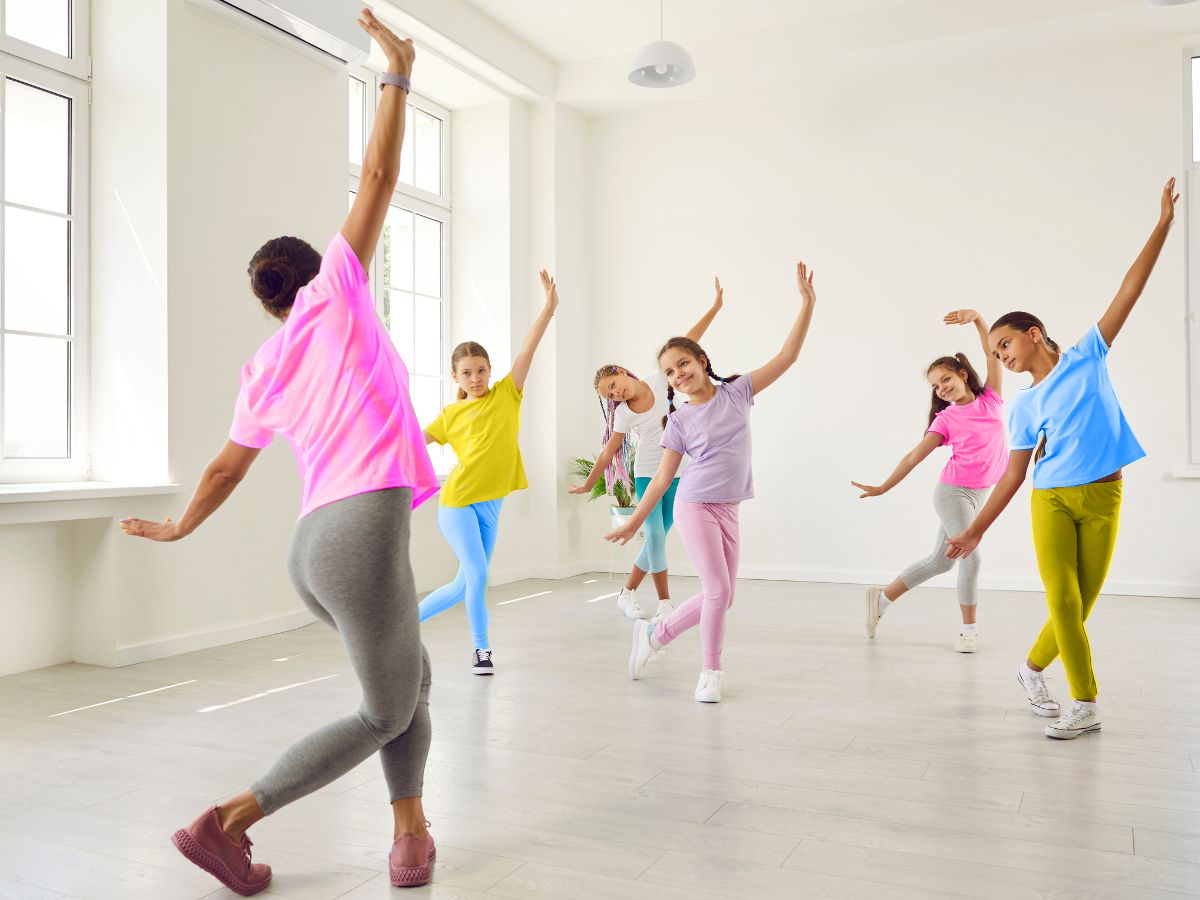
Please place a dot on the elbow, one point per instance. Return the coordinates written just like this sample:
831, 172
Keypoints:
226, 477
386, 175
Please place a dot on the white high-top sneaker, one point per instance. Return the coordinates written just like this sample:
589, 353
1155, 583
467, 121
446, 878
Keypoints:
708, 688
873, 612
1036, 692
643, 650
628, 604
1084, 718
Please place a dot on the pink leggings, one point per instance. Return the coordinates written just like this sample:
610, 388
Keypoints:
710, 536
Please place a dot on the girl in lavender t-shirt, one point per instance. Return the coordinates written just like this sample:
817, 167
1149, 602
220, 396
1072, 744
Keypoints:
965, 416
713, 429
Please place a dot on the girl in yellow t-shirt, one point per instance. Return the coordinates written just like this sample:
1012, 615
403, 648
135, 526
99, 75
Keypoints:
482, 430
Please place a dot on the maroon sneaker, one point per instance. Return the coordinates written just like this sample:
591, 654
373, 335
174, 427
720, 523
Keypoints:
204, 843
411, 859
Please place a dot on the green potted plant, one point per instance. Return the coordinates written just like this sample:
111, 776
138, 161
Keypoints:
622, 490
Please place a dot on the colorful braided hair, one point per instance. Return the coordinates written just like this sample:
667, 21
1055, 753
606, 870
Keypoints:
618, 469
684, 343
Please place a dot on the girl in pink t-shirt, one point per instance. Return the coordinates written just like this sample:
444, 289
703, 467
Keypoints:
965, 416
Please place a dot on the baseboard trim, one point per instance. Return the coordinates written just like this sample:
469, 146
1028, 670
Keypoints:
993, 583
217, 637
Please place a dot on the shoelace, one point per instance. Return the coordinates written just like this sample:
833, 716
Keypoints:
1041, 693
246, 845
484, 655
1075, 716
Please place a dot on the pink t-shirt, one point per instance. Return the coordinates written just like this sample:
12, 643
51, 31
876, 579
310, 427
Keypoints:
332, 383
975, 434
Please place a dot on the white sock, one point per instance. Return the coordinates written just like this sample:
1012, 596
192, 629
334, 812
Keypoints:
1089, 704
970, 629
1030, 673
884, 603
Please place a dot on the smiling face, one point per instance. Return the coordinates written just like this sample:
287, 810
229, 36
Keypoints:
617, 387
473, 374
950, 385
684, 371
1013, 347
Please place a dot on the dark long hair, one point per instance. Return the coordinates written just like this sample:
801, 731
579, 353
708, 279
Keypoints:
959, 365
462, 351
1023, 321
279, 269
686, 343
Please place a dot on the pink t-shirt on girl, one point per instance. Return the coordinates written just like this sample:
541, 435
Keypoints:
332, 383
716, 435
975, 434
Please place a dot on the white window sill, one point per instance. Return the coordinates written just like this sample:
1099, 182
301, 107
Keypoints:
1186, 472
80, 490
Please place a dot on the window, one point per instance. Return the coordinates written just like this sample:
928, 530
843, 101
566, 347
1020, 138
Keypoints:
411, 267
1190, 216
43, 242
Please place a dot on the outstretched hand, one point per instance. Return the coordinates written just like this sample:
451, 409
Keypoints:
804, 281
399, 53
868, 490
1169, 198
551, 289
155, 531
961, 317
719, 300
579, 489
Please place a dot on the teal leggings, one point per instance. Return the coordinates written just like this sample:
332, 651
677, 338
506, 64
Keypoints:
653, 557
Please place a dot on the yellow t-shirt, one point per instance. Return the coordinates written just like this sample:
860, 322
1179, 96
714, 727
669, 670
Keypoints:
483, 435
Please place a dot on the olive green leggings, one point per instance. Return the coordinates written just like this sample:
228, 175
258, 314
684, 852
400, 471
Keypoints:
1074, 533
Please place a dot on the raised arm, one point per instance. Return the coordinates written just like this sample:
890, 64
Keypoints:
381, 160
766, 375
697, 331
1135, 279
606, 456
995, 370
963, 543
908, 462
654, 490
217, 482
520, 369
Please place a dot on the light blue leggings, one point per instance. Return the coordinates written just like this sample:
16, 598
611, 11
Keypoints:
653, 557
471, 531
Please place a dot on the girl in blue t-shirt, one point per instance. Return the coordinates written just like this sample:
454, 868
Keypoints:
1071, 415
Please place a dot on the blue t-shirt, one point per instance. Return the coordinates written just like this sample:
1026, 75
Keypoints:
1077, 410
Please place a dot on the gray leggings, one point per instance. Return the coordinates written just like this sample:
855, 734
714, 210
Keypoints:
956, 508
349, 561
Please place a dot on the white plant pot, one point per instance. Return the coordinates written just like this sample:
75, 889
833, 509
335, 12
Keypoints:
620, 516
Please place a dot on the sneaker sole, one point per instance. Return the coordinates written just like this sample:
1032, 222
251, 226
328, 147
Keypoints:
1070, 735
872, 605
196, 854
965, 649
483, 671
414, 876
1037, 710
634, 673
709, 699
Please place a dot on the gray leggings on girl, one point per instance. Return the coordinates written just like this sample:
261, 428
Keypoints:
349, 561
956, 508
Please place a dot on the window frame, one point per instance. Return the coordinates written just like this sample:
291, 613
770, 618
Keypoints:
1190, 209
77, 65
424, 203
77, 465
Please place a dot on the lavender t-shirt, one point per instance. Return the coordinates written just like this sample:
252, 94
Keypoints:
716, 435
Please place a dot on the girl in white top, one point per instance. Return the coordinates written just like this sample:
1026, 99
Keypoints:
636, 407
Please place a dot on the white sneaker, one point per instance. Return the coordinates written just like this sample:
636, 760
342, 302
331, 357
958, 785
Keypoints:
708, 688
627, 603
873, 612
1037, 693
1084, 718
643, 651
967, 643
664, 609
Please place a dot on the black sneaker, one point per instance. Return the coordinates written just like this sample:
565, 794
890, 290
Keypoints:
483, 663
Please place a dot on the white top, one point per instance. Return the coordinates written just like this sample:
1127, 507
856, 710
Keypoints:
647, 426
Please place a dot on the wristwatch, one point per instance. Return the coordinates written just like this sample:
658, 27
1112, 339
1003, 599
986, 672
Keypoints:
401, 81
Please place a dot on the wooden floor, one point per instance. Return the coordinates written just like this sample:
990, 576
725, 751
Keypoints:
835, 767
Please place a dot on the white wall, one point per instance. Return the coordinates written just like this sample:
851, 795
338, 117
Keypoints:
1016, 181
